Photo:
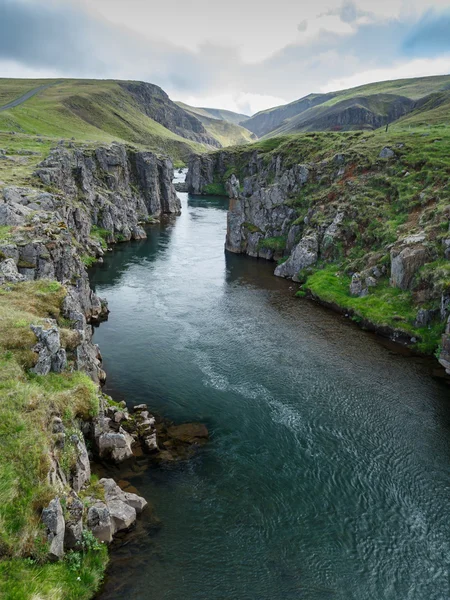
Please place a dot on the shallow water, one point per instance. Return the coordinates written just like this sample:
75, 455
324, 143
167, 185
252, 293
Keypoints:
327, 473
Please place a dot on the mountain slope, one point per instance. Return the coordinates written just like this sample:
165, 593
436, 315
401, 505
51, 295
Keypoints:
138, 113
223, 125
365, 107
215, 113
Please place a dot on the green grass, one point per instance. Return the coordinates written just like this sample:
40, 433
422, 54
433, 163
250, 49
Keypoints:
88, 261
28, 404
93, 111
277, 244
214, 189
5, 232
101, 235
384, 306
26, 580
378, 98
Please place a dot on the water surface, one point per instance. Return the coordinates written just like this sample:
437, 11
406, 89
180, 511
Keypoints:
327, 473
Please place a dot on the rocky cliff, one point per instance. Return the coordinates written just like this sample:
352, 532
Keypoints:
156, 104
82, 198
331, 213
99, 195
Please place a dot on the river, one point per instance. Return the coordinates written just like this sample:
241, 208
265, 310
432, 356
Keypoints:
327, 475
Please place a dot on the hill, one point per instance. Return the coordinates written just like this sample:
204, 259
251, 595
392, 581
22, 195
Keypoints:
365, 107
103, 111
223, 125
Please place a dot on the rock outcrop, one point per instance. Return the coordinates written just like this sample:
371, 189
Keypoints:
115, 190
305, 215
156, 104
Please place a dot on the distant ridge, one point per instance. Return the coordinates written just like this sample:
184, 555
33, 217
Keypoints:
364, 107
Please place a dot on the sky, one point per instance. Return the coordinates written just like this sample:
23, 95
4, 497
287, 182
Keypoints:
242, 55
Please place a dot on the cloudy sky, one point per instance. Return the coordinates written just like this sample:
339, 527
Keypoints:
244, 55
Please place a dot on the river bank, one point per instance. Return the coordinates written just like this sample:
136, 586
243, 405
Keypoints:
327, 468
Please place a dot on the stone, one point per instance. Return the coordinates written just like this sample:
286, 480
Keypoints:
115, 446
139, 407
122, 506
82, 471
9, 272
425, 317
356, 287
304, 255
405, 263
233, 186
387, 153
151, 442
53, 519
122, 515
100, 523
52, 357
188, 432
73, 534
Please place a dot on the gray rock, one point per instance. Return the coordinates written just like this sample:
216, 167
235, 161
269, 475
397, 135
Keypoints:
425, 317
73, 534
51, 356
82, 472
387, 153
122, 506
233, 186
115, 446
53, 519
9, 272
304, 255
405, 263
356, 286
100, 523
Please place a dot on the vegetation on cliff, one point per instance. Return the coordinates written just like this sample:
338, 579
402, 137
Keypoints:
390, 190
102, 112
29, 403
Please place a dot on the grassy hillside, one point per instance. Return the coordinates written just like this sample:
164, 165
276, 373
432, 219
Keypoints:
384, 201
88, 110
28, 402
216, 113
365, 107
223, 125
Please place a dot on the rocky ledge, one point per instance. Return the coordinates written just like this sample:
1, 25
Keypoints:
84, 198
309, 214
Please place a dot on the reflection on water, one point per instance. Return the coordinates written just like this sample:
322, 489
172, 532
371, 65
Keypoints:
327, 473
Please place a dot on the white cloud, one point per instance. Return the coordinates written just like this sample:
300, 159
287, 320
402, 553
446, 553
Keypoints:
245, 103
401, 70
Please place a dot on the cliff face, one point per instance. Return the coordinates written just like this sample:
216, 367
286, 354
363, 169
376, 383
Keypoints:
311, 214
91, 196
156, 104
113, 190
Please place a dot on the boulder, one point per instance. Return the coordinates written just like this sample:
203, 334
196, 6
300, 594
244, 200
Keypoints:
82, 471
100, 523
405, 263
303, 255
9, 272
387, 153
73, 535
356, 286
52, 357
115, 445
122, 506
188, 433
53, 519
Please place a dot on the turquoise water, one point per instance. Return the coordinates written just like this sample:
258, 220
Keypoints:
327, 473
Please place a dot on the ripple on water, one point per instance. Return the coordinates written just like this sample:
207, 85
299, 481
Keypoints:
327, 473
